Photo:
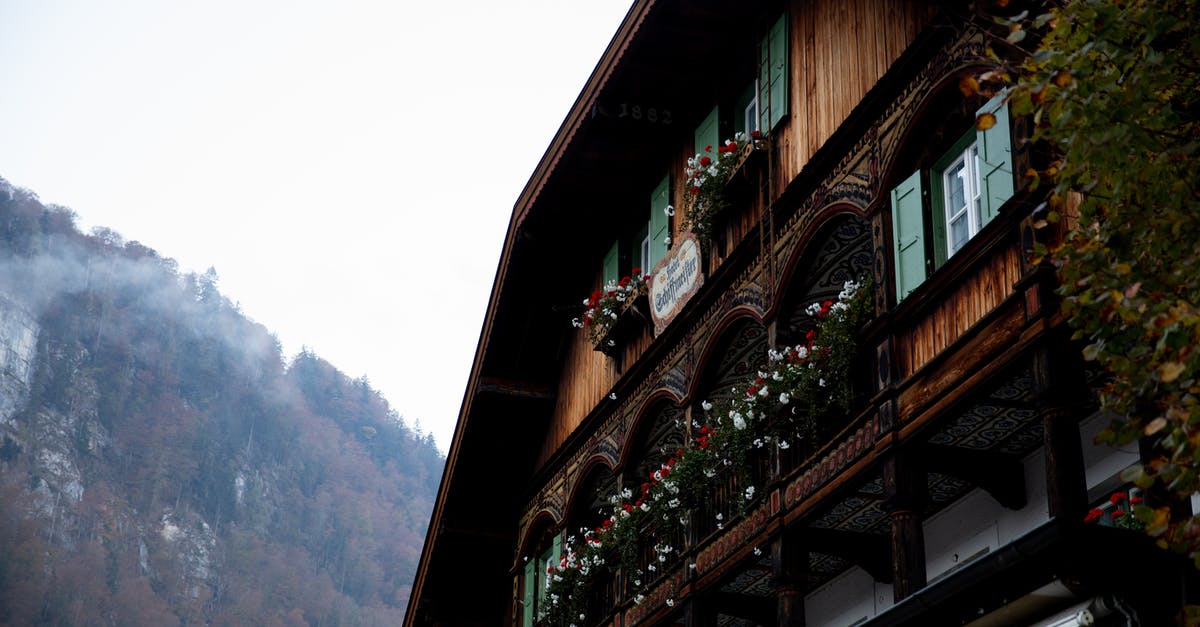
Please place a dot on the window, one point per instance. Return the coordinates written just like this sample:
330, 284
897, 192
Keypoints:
938, 209
536, 579
958, 182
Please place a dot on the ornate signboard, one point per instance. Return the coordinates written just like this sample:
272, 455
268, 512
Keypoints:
676, 279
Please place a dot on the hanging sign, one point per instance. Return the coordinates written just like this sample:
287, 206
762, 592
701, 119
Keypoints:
676, 279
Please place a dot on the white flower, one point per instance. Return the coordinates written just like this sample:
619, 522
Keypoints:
813, 309
670, 602
692, 566
645, 507
739, 423
626, 493
667, 240
706, 406
801, 352
669, 210
777, 376
673, 503
758, 442
613, 396
720, 516
613, 315
587, 301
749, 493
651, 567
639, 598
784, 398
783, 444
821, 382
710, 473
757, 551
612, 343
763, 392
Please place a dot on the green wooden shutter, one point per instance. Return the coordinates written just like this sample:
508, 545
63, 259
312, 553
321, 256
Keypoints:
659, 223
908, 230
611, 268
773, 75
556, 549
995, 159
708, 135
530, 597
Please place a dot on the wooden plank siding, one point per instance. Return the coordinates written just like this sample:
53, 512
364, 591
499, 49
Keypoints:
839, 50
947, 321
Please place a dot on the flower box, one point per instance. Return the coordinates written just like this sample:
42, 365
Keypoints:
748, 157
616, 313
628, 324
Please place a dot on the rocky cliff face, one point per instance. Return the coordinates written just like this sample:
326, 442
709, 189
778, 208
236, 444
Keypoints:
18, 339
161, 464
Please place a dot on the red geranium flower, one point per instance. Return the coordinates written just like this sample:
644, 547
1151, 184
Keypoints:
1119, 513
637, 271
1117, 497
755, 134
705, 161
1135, 500
708, 149
1093, 516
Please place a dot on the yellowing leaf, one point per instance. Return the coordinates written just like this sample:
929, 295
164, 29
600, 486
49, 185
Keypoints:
968, 86
1170, 371
1156, 425
1132, 290
1122, 269
1062, 78
985, 121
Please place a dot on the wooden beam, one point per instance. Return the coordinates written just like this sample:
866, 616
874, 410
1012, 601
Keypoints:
871, 552
789, 570
515, 389
904, 483
1059, 388
1002, 476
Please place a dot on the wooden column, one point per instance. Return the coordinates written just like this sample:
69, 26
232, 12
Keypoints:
904, 483
789, 565
1060, 396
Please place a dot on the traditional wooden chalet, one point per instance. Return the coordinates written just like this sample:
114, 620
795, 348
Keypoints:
951, 483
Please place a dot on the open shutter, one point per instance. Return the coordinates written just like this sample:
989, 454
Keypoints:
611, 268
556, 550
659, 223
773, 75
995, 159
708, 135
908, 230
530, 597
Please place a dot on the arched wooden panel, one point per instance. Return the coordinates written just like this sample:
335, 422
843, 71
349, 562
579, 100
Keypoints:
840, 253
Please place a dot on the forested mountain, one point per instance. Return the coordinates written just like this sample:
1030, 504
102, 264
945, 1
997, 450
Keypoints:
161, 464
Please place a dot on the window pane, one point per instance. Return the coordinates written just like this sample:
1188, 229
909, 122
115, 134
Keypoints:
956, 182
958, 232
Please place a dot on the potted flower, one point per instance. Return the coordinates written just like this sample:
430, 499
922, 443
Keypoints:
613, 312
708, 175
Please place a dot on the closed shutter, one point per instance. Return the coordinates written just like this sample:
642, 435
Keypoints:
708, 135
995, 159
611, 269
908, 231
530, 597
773, 75
659, 223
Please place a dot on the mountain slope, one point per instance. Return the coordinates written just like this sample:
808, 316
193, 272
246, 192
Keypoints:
161, 464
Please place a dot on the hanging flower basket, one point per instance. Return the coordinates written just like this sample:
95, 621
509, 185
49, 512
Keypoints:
616, 313
709, 176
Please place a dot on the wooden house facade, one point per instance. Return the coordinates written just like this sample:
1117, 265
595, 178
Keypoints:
952, 490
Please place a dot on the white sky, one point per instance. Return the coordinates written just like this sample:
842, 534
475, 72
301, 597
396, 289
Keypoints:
348, 167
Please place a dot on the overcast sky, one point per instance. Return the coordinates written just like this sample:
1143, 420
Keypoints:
348, 167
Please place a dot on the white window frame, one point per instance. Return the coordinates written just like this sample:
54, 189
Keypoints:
750, 113
969, 159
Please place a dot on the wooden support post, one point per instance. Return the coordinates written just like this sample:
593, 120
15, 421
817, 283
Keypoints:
1059, 393
904, 483
789, 567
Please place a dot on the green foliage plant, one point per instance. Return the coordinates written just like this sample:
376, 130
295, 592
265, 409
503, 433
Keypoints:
1113, 89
